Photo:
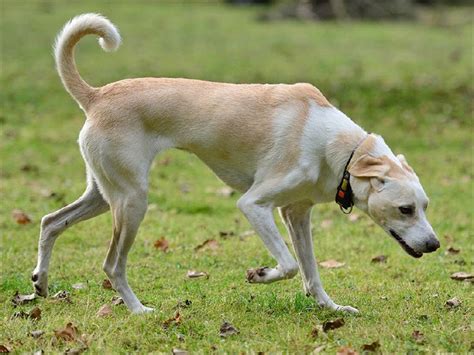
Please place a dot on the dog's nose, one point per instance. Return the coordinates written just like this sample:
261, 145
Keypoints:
432, 244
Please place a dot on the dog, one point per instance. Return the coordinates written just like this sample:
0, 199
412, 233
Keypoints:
282, 146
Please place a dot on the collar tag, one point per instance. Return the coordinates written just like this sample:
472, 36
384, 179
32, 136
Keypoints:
344, 194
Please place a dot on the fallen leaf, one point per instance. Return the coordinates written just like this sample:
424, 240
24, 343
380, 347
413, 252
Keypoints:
69, 333
63, 296
227, 329
225, 191
326, 223
246, 234
333, 324
35, 314
20, 217
36, 333
161, 244
418, 336
353, 217
176, 351
19, 300
453, 303
318, 349
379, 259
116, 300
375, 346
79, 286
4, 349
184, 188
314, 332
345, 350
452, 251
208, 244
225, 234
104, 311
184, 304
193, 274
174, 320
331, 264
461, 276
106, 284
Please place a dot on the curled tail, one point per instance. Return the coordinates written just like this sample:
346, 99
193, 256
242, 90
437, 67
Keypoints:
67, 39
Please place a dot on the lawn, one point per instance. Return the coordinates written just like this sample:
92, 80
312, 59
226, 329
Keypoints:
410, 82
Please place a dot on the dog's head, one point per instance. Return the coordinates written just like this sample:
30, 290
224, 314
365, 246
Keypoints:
389, 191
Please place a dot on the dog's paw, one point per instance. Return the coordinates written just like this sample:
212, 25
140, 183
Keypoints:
258, 275
40, 283
346, 309
143, 310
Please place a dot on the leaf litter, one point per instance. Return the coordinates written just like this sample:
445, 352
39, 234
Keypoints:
331, 264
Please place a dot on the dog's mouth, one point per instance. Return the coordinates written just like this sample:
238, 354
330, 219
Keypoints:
405, 246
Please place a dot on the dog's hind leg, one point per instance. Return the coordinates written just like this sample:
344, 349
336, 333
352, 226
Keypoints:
260, 216
89, 205
297, 218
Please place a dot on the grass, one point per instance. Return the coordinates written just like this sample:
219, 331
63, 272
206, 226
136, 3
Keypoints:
410, 82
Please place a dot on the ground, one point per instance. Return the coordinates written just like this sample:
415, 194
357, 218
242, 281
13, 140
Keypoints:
410, 82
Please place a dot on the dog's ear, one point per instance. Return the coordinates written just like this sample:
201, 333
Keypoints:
403, 161
369, 167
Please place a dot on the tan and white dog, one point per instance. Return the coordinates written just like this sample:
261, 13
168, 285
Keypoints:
283, 146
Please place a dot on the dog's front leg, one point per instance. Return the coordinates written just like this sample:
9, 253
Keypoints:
297, 218
260, 216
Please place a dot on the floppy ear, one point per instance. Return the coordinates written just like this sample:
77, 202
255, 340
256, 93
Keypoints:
369, 167
403, 161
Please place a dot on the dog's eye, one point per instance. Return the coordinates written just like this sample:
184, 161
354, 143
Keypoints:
407, 210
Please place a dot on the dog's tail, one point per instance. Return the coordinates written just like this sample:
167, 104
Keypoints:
66, 40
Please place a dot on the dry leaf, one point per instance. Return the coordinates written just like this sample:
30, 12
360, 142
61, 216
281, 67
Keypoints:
175, 320
453, 303
104, 311
461, 276
69, 333
161, 244
63, 296
375, 346
353, 217
331, 264
176, 351
184, 188
326, 223
379, 259
20, 217
418, 336
193, 274
452, 251
79, 286
225, 234
36, 333
247, 234
345, 350
318, 349
19, 300
107, 284
208, 244
227, 329
35, 314
314, 332
333, 324
116, 300
225, 191
4, 349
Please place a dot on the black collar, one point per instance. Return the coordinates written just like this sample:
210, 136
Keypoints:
344, 195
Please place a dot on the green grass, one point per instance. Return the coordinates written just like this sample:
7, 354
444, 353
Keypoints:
410, 82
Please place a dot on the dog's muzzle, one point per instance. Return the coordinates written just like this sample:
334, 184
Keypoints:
405, 246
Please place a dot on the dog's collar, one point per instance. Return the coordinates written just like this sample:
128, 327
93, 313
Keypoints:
344, 195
